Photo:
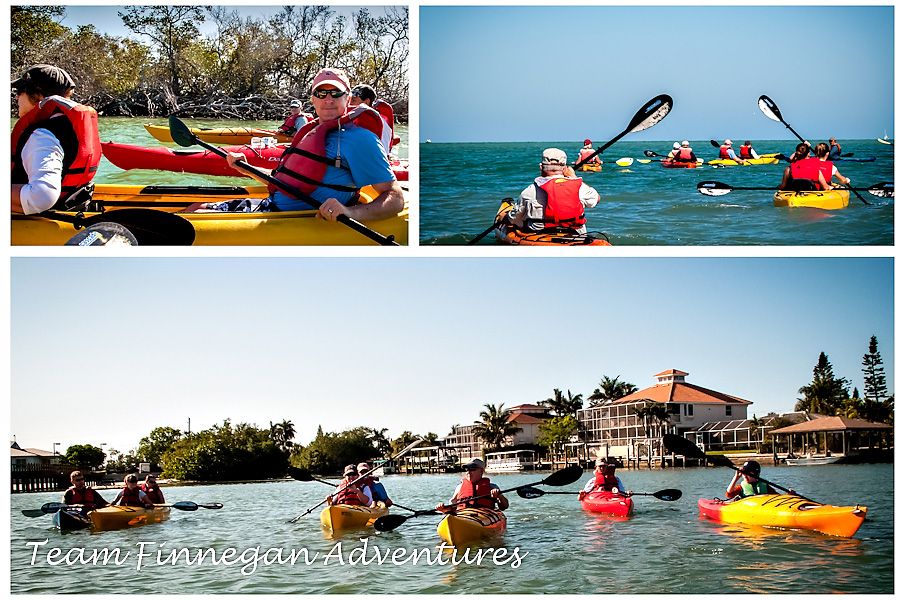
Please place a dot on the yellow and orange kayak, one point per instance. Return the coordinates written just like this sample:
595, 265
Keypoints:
109, 518
507, 234
785, 512
470, 525
347, 516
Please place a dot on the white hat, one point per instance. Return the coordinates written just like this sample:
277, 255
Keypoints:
676, 146
553, 156
727, 143
685, 143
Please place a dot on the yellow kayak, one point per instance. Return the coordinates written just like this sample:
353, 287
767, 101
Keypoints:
507, 234
295, 228
786, 512
591, 167
232, 136
764, 159
826, 199
348, 516
470, 525
109, 518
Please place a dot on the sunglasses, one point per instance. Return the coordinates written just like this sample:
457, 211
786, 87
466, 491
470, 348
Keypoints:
471, 468
325, 93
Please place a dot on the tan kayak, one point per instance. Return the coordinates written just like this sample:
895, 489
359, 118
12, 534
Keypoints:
348, 516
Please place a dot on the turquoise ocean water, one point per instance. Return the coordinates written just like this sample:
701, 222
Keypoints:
552, 545
644, 204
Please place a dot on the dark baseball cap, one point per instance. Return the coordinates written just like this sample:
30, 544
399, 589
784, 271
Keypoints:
44, 79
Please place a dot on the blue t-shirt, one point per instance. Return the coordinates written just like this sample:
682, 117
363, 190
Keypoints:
361, 151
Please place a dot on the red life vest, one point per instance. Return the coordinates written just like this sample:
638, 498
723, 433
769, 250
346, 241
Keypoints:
75, 126
564, 207
606, 481
806, 168
585, 152
684, 155
346, 495
290, 124
131, 497
85, 496
303, 165
745, 152
387, 113
481, 488
154, 494
826, 167
723, 152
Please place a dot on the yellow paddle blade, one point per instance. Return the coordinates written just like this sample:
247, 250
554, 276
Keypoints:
625, 162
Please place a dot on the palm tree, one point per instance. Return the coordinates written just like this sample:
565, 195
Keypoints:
495, 426
379, 440
611, 389
282, 433
562, 406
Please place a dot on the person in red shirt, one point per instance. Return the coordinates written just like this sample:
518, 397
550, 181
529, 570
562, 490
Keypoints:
151, 488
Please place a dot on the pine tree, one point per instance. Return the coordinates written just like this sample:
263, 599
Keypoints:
873, 373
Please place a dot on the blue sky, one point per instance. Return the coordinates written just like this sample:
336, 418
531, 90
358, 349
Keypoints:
105, 349
523, 73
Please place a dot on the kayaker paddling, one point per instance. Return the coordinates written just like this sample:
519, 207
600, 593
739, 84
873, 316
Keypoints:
350, 490
371, 486
83, 495
746, 482
555, 201
151, 488
804, 172
587, 151
131, 494
330, 159
685, 154
473, 485
295, 120
726, 152
675, 148
365, 94
747, 151
605, 479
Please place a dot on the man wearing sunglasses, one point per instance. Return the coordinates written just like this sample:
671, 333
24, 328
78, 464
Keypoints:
556, 200
80, 494
334, 156
476, 489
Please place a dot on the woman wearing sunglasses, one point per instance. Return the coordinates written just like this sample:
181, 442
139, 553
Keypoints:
334, 156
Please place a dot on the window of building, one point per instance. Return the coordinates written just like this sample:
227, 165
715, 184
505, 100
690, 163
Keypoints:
727, 411
689, 410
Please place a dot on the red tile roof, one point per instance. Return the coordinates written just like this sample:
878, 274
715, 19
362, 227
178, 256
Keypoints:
831, 424
528, 408
522, 419
680, 391
672, 372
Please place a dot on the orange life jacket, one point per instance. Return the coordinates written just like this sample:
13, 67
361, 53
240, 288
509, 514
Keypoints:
304, 163
346, 495
684, 155
75, 126
154, 494
85, 496
482, 488
606, 481
564, 207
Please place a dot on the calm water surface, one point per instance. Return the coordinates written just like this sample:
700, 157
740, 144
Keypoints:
644, 204
665, 548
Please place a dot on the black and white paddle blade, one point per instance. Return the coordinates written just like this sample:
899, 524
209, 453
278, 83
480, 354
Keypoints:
669, 495
882, 190
212, 505
651, 113
186, 505
713, 188
52, 507
529, 492
389, 522
769, 108
103, 234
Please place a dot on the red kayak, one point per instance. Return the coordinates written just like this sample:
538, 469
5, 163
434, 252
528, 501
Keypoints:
609, 502
671, 164
205, 162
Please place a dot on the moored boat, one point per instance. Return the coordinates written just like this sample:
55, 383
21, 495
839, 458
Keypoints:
785, 512
206, 162
69, 519
120, 517
220, 135
811, 460
293, 228
826, 199
470, 525
347, 516
609, 502
507, 234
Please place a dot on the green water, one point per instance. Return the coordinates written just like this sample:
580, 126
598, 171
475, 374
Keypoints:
644, 204
126, 130
553, 546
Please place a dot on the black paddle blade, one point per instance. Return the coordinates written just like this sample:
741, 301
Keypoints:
52, 507
33, 512
565, 476
212, 505
150, 227
770, 109
650, 154
679, 445
186, 505
713, 188
882, 190
668, 495
714, 143
181, 133
529, 492
300, 474
389, 522
103, 234
651, 113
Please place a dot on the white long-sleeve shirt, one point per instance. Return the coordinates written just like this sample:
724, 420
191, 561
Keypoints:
42, 157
